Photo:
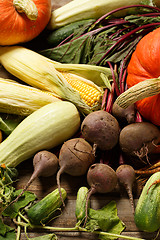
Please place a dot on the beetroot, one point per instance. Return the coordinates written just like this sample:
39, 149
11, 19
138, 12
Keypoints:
124, 115
101, 179
126, 177
45, 164
139, 139
75, 157
101, 129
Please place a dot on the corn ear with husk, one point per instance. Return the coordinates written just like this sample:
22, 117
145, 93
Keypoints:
139, 91
19, 99
101, 76
40, 72
85, 9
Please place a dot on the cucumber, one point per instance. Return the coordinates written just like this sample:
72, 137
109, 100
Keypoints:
57, 36
43, 211
80, 211
147, 212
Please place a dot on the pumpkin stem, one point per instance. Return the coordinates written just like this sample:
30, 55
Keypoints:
141, 90
28, 7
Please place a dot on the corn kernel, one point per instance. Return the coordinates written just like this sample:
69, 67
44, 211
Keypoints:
89, 94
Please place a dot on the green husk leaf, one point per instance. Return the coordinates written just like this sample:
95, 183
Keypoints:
101, 76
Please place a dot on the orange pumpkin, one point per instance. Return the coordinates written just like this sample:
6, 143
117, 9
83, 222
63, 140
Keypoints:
145, 64
22, 20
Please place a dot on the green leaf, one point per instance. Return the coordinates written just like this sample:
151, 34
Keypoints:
3, 228
7, 175
11, 235
8, 122
105, 219
106, 40
101, 45
45, 237
140, 21
6, 232
71, 52
147, 2
6, 194
23, 201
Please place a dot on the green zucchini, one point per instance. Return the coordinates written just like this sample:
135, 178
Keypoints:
58, 35
80, 211
147, 212
45, 128
44, 210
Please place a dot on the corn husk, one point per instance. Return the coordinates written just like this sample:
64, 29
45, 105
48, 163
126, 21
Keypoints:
100, 76
19, 99
40, 72
139, 91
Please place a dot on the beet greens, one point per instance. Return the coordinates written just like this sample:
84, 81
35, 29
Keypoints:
108, 39
110, 42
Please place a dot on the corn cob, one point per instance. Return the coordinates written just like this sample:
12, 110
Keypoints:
90, 94
37, 71
16, 98
101, 76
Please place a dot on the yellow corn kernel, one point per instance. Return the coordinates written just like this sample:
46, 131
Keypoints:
89, 94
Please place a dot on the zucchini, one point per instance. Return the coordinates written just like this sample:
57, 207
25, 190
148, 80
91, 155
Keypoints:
58, 35
80, 211
44, 210
147, 212
45, 128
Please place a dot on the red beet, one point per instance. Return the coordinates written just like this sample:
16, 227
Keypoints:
75, 157
45, 164
101, 129
126, 177
101, 179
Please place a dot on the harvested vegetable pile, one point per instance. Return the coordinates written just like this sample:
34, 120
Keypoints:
73, 105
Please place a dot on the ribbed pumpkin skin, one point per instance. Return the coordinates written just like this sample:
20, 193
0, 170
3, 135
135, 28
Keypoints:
16, 28
145, 64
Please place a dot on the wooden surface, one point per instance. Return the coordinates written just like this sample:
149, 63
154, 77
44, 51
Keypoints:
59, 3
43, 186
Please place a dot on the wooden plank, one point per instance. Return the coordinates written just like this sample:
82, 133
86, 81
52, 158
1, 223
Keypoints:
43, 186
56, 4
